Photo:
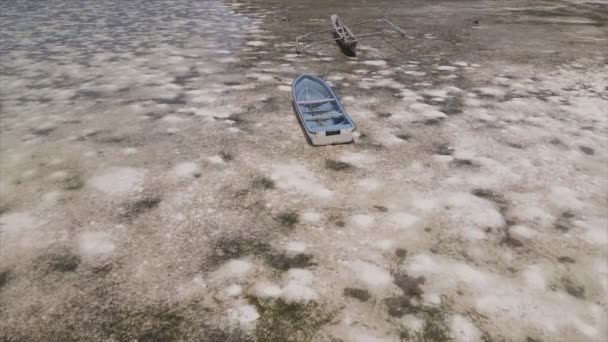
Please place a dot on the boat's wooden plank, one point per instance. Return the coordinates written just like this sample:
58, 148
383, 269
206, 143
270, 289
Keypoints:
324, 117
315, 101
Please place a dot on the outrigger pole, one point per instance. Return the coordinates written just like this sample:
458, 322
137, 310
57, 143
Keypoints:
339, 30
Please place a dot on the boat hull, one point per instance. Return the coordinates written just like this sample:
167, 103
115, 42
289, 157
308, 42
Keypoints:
347, 48
320, 139
345, 38
324, 120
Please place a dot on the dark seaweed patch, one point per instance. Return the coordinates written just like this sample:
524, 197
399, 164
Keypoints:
337, 165
360, 294
288, 219
133, 210
113, 139
432, 122
43, 130
404, 136
566, 260
91, 134
400, 252
399, 305
213, 334
4, 277
64, 263
464, 163
263, 183
490, 195
270, 104
70, 122
511, 241
87, 93
573, 288
73, 182
586, 150
381, 208
187, 77
151, 324
227, 156
111, 316
283, 321
557, 142
284, 262
515, 145
435, 328
336, 218
452, 106
231, 83
154, 115
4, 209
227, 248
409, 285
564, 222
57, 259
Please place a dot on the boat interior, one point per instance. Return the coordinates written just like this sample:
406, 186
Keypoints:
318, 107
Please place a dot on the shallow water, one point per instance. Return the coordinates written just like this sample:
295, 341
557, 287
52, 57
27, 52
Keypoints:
61, 52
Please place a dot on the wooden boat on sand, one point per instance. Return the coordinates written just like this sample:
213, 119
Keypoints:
324, 119
346, 39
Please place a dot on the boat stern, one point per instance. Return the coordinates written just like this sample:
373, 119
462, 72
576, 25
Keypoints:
342, 136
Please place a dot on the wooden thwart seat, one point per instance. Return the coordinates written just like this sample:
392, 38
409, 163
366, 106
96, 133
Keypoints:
315, 101
324, 117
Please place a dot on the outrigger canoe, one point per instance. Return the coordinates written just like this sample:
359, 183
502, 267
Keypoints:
324, 119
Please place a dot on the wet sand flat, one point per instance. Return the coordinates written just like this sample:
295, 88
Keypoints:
155, 184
